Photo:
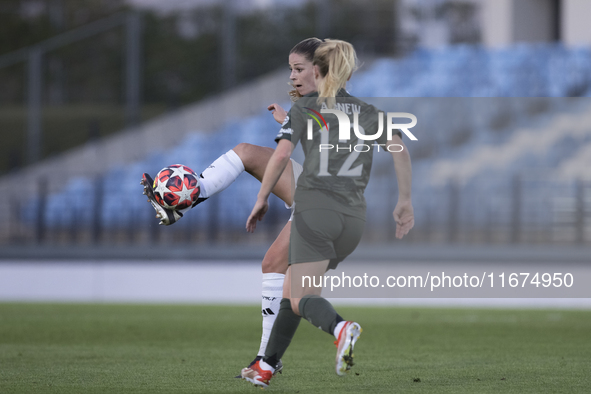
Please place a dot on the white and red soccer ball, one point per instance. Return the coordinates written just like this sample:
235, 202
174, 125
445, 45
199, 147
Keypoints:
176, 187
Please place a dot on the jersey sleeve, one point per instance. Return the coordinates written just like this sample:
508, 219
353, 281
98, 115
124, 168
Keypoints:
286, 131
293, 126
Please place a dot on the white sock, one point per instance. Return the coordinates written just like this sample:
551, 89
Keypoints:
271, 294
220, 174
338, 328
266, 367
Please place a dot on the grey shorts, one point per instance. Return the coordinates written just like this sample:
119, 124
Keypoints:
322, 234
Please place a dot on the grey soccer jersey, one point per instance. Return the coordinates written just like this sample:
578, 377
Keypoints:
335, 172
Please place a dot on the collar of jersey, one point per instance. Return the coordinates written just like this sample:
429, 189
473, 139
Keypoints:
341, 93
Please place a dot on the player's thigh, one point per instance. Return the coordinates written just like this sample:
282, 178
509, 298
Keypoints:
255, 159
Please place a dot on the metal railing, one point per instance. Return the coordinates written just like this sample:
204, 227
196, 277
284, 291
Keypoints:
524, 211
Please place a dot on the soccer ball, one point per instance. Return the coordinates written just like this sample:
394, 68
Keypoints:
176, 187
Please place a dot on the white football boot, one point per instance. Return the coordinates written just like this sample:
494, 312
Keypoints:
347, 337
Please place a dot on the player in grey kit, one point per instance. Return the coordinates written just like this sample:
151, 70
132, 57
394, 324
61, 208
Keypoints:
329, 204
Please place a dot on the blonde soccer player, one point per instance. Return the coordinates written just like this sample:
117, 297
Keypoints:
329, 206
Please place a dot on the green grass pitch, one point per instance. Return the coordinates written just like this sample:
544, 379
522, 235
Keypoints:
105, 348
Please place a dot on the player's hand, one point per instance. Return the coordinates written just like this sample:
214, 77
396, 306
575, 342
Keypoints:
404, 217
258, 211
278, 112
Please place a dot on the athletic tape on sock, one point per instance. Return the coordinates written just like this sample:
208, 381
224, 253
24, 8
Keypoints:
220, 174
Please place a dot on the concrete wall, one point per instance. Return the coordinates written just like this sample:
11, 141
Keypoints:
505, 22
534, 21
239, 282
576, 28
509, 21
497, 22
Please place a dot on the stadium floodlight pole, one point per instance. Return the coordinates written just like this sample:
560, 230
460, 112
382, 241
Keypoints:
229, 44
133, 68
34, 104
397, 30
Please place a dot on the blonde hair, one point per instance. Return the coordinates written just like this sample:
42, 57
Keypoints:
336, 61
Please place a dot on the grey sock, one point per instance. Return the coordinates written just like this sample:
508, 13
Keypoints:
282, 333
319, 312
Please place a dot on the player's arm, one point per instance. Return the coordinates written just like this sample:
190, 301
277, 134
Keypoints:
403, 212
275, 167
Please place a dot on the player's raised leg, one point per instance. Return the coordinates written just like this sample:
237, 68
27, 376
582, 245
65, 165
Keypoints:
215, 179
255, 159
222, 173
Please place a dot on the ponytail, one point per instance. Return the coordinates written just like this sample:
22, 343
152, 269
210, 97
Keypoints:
336, 61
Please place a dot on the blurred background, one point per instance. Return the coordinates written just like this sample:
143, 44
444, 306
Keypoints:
94, 93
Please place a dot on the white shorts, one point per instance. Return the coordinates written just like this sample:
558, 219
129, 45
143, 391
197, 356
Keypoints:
297, 170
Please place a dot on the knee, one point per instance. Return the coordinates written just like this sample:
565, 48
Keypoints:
241, 147
274, 263
242, 151
275, 260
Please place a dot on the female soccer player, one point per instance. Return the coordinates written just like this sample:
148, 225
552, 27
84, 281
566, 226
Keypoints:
329, 206
253, 159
